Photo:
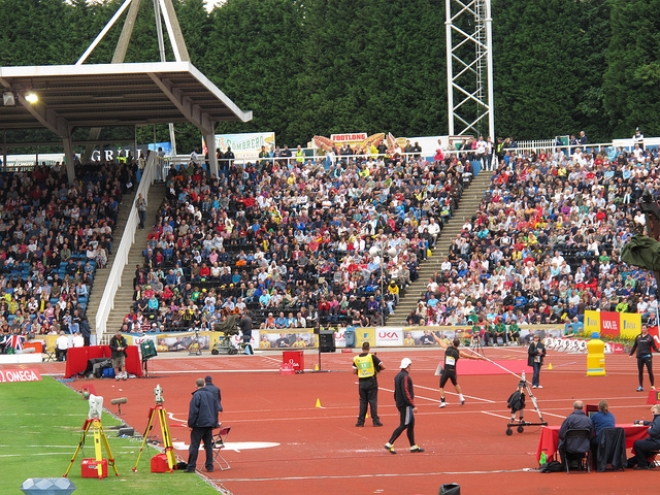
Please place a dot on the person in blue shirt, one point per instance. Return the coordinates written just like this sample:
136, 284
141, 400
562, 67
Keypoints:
602, 419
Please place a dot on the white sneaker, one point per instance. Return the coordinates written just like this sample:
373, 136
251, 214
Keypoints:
540, 386
534, 386
443, 404
117, 378
124, 376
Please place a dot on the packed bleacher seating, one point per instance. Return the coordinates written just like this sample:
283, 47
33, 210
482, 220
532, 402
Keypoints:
545, 243
53, 238
298, 244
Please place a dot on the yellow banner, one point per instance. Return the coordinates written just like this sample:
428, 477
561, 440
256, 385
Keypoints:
591, 322
363, 334
631, 324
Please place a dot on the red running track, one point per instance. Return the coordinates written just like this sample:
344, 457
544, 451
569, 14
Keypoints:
320, 451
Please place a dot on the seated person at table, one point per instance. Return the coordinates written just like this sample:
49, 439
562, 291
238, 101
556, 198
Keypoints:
602, 419
576, 420
645, 448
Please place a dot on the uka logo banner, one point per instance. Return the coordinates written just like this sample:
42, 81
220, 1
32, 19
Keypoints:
612, 324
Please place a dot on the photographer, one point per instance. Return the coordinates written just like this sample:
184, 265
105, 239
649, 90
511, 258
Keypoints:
118, 345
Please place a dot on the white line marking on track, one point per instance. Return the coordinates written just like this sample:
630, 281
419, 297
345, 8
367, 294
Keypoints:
496, 415
438, 400
454, 393
374, 476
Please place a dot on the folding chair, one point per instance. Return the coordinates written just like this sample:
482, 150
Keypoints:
219, 438
585, 456
48, 353
611, 449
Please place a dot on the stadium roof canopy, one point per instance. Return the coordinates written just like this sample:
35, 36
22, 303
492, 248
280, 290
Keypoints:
111, 95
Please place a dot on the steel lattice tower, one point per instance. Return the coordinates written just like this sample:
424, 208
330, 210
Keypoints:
468, 26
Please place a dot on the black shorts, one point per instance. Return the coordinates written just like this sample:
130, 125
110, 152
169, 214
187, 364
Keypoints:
447, 375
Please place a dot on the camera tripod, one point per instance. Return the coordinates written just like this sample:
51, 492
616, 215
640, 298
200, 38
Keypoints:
520, 426
195, 348
100, 440
165, 431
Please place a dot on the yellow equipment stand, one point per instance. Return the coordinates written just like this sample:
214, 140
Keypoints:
99, 436
165, 431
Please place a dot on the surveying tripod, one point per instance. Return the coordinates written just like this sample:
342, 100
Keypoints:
165, 431
99, 436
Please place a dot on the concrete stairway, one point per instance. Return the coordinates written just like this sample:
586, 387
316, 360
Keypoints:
101, 275
124, 297
468, 206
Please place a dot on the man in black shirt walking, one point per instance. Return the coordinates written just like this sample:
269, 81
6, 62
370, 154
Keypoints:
404, 396
644, 345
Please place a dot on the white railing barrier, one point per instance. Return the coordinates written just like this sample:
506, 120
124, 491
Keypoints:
107, 302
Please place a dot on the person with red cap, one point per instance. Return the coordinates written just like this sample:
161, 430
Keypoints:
404, 396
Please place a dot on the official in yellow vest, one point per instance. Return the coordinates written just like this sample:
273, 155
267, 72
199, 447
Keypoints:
300, 155
366, 366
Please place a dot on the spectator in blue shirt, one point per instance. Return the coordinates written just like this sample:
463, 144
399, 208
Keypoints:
602, 419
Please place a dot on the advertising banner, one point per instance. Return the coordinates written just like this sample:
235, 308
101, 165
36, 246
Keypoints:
591, 322
246, 146
350, 138
610, 323
19, 375
631, 324
288, 338
365, 334
389, 337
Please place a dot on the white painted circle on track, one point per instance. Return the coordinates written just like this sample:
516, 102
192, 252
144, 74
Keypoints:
235, 446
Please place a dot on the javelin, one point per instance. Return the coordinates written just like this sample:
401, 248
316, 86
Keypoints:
496, 364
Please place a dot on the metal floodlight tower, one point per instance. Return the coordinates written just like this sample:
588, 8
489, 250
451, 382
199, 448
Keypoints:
468, 26
162, 9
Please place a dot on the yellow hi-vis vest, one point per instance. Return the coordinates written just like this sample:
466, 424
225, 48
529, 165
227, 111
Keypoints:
365, 366
300, 156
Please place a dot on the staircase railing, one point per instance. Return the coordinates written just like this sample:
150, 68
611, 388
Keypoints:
107, 302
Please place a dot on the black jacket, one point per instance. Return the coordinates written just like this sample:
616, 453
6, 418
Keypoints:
216, 393
118, 342
532, 352
204, 410
611, 449
516, 401
644, 345
576, 420
404, 394
654, 429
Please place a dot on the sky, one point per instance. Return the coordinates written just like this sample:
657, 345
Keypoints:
211, 3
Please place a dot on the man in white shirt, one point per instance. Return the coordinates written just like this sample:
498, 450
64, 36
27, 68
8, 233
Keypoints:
194, 158
434, 230
78, 340
61, 346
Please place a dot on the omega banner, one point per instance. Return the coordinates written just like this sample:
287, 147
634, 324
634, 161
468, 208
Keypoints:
18, 375
612, 324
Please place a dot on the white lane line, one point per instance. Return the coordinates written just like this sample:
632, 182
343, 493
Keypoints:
373, 476
496, 415
446, 393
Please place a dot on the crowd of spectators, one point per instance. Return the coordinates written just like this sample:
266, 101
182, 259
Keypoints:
545, 244
53, 237
298, 243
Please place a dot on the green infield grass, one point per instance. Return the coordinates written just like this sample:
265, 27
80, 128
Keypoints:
40, 429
